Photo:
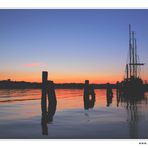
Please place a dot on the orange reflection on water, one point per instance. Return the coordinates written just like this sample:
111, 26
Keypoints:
67, 98
26, 103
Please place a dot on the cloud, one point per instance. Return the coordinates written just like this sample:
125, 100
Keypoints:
34, 64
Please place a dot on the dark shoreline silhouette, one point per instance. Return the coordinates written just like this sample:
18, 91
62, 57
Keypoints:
8, 84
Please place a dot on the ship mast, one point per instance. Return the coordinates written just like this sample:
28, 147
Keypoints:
132, 66
130, 52
133, 55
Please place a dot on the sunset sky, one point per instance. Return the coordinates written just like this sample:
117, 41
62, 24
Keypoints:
72, 45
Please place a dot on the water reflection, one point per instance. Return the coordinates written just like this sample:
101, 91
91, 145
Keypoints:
109, 101
44, 121
131, 104
131, 109
86, 113
132, 119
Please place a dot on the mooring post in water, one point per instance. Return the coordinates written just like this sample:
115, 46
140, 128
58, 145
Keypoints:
117, 93
44, 91
109, 90
52, 101
86, 94
109, 94
92, 96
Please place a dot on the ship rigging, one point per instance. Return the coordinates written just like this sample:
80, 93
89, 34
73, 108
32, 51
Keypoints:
132, 82
133, 65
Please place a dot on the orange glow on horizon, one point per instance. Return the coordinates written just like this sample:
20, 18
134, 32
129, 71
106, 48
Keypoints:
36, 76
60, 78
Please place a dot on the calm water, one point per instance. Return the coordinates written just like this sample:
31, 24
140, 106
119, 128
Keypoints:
20, 116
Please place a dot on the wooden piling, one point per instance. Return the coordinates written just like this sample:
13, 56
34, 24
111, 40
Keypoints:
52, 101
109, 94
44, 92
92, 96
86, 95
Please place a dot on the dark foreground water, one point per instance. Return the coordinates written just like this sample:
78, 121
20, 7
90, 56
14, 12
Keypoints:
20, 116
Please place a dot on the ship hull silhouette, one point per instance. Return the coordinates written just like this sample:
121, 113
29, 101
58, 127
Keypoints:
133, 86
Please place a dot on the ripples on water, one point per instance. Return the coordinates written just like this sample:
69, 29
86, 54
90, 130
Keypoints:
67, 98
25, 104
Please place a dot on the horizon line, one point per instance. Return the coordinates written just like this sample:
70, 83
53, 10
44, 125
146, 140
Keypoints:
9, 80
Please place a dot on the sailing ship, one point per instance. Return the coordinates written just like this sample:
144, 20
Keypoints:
132, 83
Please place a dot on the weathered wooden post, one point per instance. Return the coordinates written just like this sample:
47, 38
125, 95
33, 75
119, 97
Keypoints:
117, 93
92, 98
109, 94
86, 94
44, 92
52, 101
44, 103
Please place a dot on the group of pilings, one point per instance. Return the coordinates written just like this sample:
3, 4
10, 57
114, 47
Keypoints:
90, 97
49, 101
48, 91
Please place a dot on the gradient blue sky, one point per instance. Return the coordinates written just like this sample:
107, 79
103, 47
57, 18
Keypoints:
73, 45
